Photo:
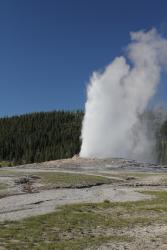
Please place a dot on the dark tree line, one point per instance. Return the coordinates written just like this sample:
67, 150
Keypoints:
162, 144
40, 136
54, 135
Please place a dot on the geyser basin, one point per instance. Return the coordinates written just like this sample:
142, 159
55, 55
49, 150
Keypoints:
117, 98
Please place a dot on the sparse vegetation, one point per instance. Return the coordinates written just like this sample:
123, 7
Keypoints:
69, 180
84, 225
60, 179
6, 164
2, 186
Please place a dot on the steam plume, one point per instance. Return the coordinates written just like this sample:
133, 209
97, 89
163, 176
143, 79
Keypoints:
118, 96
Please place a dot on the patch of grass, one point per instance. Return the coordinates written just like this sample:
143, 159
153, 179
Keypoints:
69, 180
63, 180
6, 164
83, 225
3, 190
9, 172
69, 228
134, 174
2, 186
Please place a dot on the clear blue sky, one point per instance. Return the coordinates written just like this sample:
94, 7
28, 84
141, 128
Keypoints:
49, 48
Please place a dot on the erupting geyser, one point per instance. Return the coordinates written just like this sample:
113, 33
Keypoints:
117, 97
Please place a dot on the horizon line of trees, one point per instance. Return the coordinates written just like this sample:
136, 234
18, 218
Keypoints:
44, 136
38, 137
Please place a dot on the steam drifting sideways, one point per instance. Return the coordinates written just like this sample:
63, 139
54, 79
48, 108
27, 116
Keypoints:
118, 96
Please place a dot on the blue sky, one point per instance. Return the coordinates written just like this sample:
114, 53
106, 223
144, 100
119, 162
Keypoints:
49, 48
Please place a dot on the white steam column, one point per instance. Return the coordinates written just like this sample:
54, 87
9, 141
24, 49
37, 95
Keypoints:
116, 97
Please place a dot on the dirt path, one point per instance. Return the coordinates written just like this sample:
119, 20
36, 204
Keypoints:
129, 177
21, 206
24, 205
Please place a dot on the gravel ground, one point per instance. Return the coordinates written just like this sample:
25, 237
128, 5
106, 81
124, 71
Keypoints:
24, 205
18, 205
131, 175
145, 238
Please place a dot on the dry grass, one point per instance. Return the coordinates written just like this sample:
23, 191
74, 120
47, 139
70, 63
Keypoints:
84, 225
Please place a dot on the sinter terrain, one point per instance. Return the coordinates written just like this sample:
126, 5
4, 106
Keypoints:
83, 204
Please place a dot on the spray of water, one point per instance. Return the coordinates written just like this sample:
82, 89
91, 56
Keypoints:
118, 97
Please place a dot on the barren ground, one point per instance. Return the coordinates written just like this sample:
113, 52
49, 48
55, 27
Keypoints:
130, 197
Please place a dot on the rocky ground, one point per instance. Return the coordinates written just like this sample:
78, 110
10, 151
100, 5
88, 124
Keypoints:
39, 189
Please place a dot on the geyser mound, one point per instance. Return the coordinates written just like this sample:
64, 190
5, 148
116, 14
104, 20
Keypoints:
118, 97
